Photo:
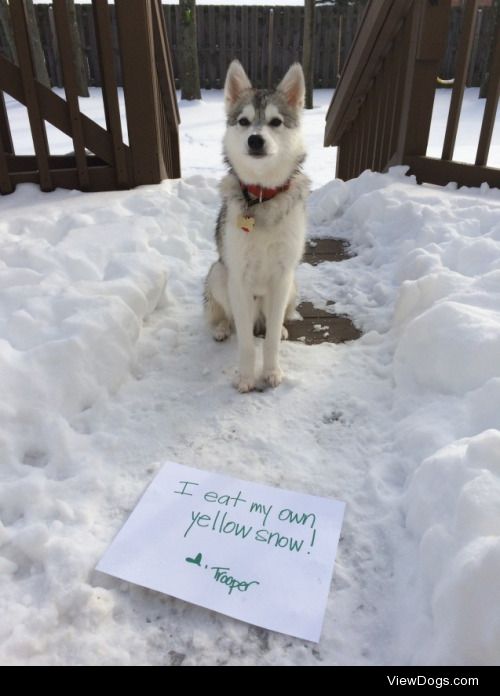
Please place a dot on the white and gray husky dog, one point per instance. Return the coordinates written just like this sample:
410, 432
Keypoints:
261, 225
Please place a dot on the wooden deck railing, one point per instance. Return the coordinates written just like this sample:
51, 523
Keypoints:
101, 160
381, 112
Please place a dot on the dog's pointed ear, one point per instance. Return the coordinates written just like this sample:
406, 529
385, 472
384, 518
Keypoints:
236, 82
293, 86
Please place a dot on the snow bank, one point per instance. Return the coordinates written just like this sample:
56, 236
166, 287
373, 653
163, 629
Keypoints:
454, 507
428, 276
80, 275
75, 289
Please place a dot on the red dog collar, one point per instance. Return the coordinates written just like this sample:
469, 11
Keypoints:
261, 192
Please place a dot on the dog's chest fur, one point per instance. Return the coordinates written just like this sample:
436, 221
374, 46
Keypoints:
276, 243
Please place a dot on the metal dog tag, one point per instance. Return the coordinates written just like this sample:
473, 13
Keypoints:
246, 223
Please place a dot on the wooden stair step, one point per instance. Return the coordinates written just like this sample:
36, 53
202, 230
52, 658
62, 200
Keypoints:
319, 250
320, 326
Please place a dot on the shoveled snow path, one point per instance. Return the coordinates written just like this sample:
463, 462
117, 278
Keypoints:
321, 432
182, 407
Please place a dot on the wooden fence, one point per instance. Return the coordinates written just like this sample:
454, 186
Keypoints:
101, 160
226, 32
381, 111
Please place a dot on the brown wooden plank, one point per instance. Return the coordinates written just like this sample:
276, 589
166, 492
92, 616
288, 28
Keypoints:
330, 50
212, 44
341, 166
101, 178
399, 86
169, 12
232, 44
135, 28
490, 109
20, 163
355, 147
254, 45
297, 31
222, 28
486, 38
270, 47
245, 29
368, 138
387, 72
284, 44
63, 30
104, 38
378, 125
79, 59
38, 132
463, 57
441, 172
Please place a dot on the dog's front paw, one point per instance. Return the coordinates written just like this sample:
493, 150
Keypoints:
284, 333
273, 378
222, 330
244, 384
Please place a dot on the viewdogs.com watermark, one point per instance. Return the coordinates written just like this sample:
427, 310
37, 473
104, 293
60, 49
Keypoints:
437, 682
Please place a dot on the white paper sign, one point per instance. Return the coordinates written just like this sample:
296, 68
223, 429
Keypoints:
257, 553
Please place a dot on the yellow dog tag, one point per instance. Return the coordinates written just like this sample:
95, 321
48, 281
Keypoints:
245, 223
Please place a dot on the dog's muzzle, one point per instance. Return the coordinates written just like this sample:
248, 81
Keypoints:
256, 145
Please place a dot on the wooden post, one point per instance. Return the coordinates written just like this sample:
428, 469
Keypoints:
37, 53
308, 51
188, 51
135, 29
427, 43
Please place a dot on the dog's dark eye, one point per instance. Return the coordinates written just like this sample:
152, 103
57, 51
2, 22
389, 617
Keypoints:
275, 122
244, 121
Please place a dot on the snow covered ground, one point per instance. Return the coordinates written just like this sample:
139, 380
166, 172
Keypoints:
106, 369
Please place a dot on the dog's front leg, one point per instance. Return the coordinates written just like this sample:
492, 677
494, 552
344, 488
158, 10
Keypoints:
243, 308
275, 304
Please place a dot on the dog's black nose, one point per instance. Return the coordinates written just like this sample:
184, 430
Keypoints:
256, 143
